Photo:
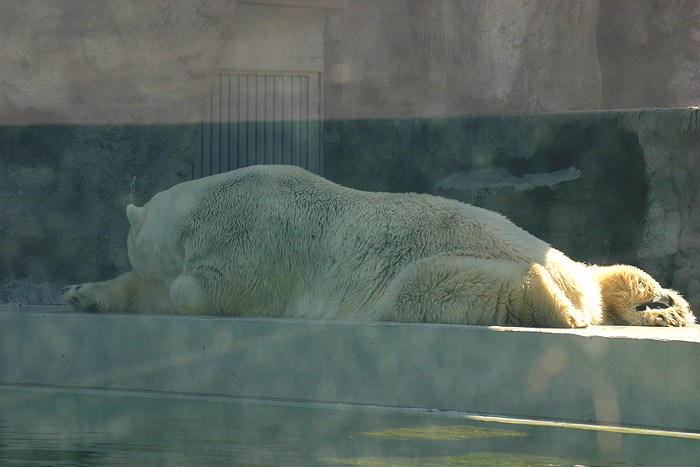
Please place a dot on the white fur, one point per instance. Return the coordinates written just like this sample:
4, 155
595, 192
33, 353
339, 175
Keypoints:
278, 241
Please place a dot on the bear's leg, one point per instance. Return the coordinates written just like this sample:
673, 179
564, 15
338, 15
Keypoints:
463, 290
549, 306
127, 293
452, 290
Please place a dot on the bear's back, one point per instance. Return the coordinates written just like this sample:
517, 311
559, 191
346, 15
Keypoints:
314, 207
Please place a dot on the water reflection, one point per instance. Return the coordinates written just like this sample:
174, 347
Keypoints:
471, 459
441, 432
86, 428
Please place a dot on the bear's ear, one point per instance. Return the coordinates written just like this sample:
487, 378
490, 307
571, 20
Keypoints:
134, 214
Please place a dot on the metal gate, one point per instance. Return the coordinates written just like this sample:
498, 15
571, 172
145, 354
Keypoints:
266, 118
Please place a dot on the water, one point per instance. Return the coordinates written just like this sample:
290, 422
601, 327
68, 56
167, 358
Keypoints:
93, 428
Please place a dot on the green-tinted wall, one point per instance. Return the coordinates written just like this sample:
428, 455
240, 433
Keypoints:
603, 187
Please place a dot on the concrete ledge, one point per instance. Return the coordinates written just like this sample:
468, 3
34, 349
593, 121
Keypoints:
605, 375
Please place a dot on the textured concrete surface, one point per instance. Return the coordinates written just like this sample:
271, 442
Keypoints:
109, 62
648, 53
399, 58
84, 61
620, 376
404, 58
64, 193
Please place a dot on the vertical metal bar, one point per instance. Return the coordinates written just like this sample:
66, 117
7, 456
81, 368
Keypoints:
214, 165
260, 120
269, 118
304, 122
224, 164
250, 120
289, 119
233, 122
295, 120
243, 120
279, 120
208, 154
315, 159
197, 169
283, 119
239, 123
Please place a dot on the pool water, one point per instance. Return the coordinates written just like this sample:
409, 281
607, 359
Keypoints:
55, 427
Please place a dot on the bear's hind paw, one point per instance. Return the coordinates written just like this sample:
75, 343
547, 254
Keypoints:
79, 299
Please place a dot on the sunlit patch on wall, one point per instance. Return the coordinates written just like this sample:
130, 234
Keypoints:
441, 432
471, 459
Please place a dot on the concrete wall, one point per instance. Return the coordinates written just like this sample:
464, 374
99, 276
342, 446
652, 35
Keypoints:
108, 61
625, 376
401, 58
134, 62
648, 53
63, 199
441, 57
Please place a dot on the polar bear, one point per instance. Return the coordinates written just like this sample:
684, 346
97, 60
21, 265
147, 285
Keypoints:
278, 241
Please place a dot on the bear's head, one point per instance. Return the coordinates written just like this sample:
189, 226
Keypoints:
632, 297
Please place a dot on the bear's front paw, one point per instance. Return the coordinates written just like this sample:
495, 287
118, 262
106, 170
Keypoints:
80, 298
667, 317
577, 321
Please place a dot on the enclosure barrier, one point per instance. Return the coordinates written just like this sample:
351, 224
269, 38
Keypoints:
622, 376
